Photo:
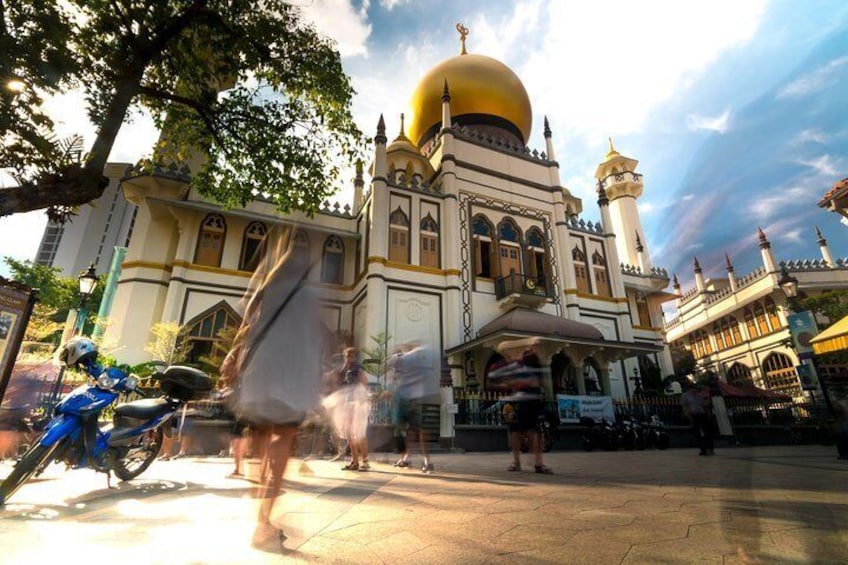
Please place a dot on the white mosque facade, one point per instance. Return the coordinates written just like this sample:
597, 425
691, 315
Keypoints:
463, 237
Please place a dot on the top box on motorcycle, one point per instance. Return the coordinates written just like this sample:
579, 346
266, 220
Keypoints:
185, 383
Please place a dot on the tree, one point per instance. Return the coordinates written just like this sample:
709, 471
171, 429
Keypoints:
832, 303
261, 95
376, 359
683, 360
167, 344
42, 327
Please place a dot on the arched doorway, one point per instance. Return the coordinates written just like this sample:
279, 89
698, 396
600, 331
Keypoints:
593, 382
563, 374
780, 374
740, 374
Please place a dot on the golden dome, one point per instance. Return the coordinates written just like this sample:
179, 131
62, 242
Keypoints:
478, 85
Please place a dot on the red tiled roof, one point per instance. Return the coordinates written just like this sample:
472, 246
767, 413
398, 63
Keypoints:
839, 187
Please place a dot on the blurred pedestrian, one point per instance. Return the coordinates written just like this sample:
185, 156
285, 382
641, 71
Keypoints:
522, 375
415, 381
349, 406
276, 366
696, 407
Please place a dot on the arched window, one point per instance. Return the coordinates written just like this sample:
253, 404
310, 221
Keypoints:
399, 237
206, 331
537, 257
254, 233
483, 234
599, 266
760, 316
780, 374
771, 313
643, 313
739, 374
210, 241
429, 242
718, 336
734, 329
580, 272
725, 333
301, 238
332, 263
509, 248
750, 324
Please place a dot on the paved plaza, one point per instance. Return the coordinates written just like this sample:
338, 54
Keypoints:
745, 505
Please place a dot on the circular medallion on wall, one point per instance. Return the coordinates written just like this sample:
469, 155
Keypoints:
414, 311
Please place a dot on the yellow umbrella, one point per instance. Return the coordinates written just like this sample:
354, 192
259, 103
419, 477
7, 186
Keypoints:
834, 338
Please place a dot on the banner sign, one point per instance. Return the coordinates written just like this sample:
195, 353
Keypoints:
802, 326
572, 408
16, 302
809, 379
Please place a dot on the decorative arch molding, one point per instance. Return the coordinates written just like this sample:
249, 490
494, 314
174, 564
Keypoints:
203, 330
332, 261
466, 200
210, 241
251, 244
740, 374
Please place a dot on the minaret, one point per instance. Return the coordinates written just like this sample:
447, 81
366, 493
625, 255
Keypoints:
825, 250
699, 276
549, 144
623, 185
768, 255
731, 276
380, 150
446, 115
358, 185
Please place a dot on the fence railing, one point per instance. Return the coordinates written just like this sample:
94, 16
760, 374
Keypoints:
666, 407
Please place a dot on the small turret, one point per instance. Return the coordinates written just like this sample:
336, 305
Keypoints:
699, 276
549, 144
446, 112
825, 250
358, 185
380, 150
731, 276
765, 250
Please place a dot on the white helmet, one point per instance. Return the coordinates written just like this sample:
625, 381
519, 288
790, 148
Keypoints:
77, 350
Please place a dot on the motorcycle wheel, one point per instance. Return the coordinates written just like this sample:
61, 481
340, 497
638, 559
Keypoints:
546, 437
28, 465
130, 461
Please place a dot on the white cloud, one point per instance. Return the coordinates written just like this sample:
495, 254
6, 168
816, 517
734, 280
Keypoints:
809, 136
791, 235
766, 207
813, 81
341, 21
20, 235
603, 66
391, 4
687, 197
824, 165
718, 123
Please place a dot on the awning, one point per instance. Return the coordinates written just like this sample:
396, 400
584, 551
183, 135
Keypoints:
833, 339
522, 322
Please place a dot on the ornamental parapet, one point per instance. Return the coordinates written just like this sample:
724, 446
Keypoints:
812, 265
655, 272
499, 144
335, 209
616, 178
398, 179
580, 224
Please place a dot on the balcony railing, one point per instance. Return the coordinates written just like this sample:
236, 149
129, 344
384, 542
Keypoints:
524, 285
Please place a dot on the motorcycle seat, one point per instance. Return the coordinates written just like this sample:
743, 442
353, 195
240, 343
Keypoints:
144, 409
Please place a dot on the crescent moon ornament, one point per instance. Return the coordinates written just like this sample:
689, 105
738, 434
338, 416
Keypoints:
463, 33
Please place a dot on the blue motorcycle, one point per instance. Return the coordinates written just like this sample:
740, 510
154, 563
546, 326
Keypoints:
130, 443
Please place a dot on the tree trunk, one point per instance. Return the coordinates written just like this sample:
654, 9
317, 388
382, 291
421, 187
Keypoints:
75, 185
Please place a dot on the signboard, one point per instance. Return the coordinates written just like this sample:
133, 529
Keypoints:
16, 303
452, 408
572, 408
802, 326
807, 374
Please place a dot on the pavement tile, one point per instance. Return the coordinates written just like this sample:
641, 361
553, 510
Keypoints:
822, 546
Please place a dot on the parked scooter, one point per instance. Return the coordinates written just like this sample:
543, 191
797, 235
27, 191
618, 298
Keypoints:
630, 433
599, 435
126, 447
655, 433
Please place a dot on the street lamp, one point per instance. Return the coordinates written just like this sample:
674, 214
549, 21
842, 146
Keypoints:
787, 283
87, 283
637, 382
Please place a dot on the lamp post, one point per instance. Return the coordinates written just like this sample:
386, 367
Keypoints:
789, 285
637, 382
87, 283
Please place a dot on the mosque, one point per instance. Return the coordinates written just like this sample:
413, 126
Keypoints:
463, 236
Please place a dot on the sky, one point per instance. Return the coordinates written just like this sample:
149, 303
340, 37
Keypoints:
735, 110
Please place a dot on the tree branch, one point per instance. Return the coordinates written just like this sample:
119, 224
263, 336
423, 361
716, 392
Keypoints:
72, 187
201, 110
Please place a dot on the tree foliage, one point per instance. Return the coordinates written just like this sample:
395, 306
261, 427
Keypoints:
376, 359
260, 95
168, 344
832, 303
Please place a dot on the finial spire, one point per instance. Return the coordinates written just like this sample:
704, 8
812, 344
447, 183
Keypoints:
764, 242
358, 178
612, 152
446, 92
639, 248
402, 133
674, 282
381, 131
821, 240
463, 33
696, 264
727, 263
547, 128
